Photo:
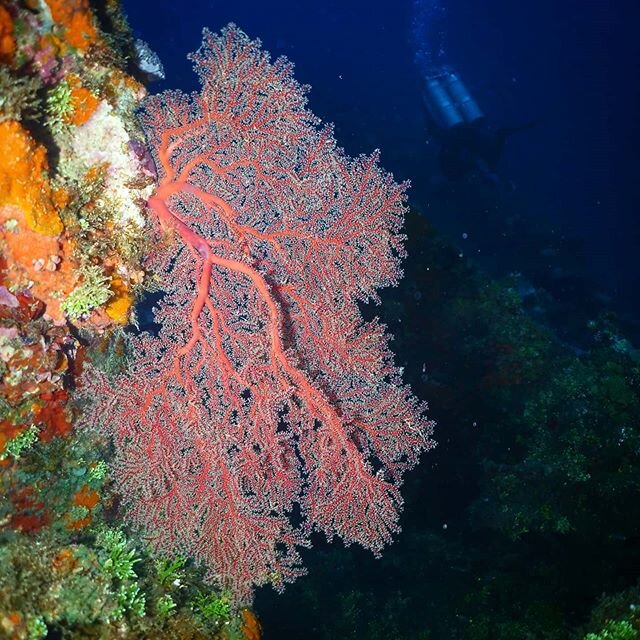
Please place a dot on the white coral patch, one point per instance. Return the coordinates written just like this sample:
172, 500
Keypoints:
103, 139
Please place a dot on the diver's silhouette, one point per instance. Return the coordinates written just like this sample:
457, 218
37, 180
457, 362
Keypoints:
468, 143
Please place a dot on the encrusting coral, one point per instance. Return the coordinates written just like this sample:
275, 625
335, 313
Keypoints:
84, 210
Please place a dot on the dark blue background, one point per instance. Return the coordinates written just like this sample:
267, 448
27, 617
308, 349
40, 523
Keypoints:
573, 65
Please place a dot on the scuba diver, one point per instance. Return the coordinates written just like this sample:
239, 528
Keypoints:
468, 143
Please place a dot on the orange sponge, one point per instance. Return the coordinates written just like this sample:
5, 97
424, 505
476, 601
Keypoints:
76, 17
7, 41
23, 179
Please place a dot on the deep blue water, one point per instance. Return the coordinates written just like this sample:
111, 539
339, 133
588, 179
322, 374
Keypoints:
574, 66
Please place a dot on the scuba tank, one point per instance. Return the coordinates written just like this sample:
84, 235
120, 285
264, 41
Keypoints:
448, 101
443, 112
462, 98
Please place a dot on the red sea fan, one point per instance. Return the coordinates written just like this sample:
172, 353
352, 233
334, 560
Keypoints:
265, 408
